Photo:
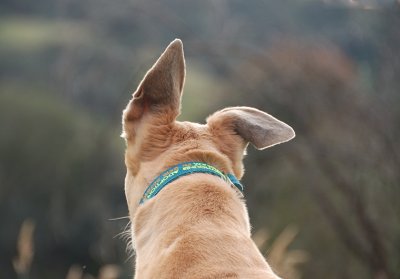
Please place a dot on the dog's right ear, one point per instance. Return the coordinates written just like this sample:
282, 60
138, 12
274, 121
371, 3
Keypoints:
159, 93
251, 125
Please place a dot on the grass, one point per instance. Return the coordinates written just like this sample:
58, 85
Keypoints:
284, 260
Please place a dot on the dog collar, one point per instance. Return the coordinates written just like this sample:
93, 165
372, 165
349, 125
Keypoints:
184, 169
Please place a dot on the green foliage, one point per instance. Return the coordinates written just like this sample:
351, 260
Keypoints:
61, 169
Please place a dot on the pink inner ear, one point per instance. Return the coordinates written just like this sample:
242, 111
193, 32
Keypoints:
137, 106
138, 94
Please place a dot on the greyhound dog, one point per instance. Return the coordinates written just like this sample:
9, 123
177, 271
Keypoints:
189, 218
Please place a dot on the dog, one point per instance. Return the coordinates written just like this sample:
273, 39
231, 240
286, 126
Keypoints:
189, 218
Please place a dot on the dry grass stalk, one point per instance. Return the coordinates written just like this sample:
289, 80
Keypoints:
25, 247
109, 272
284, 261
74, 272
106, 272
260, 237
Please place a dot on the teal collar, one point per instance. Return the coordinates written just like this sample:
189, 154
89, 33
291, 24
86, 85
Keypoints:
183, 169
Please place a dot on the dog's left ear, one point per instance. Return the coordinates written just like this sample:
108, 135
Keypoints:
160, 90
251, 125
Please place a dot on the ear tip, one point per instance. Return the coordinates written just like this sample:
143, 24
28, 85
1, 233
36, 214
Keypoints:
173, 52
287, 134
284, 134
291, 133
177, 41
176, 45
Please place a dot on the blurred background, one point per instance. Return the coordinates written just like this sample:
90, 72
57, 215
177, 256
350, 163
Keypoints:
325, 205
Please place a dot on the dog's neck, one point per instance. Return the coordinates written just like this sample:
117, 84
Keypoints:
147, 171
212, 206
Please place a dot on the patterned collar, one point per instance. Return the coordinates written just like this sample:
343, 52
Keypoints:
184, 169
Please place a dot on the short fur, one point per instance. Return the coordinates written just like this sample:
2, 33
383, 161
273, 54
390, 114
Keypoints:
198, 226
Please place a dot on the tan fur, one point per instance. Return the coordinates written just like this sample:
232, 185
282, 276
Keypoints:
198, 226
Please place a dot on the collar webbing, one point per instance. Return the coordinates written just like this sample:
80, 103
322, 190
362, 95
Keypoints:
183, 169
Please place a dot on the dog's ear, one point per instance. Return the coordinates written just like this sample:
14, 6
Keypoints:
252, 125
161, 89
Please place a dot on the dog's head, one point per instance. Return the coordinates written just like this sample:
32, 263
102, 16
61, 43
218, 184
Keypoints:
156, 140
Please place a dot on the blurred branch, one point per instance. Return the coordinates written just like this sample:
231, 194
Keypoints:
337, 221
376, 255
